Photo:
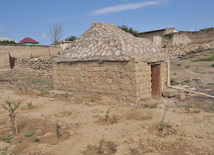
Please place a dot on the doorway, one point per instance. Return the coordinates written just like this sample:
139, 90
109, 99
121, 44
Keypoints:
155, 76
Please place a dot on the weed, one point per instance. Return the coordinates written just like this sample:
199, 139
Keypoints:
3, 153
11, 108
196, 80
30, 105
211, 58
212, 65
210, 84
3, 150
66, 96
26, 89
7, 139
19, 142
64, 108
36, 140
92, 97
57, 129
187, 108
14, 151
202, 72
100, 148
162, 122
42, 92
187, 67
107, 114
29, 134
192, 56
186, 81
58, 53
178, 64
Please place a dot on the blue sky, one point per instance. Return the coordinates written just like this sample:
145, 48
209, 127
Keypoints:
30, 18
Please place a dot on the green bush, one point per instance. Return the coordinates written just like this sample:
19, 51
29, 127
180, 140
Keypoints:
129, 30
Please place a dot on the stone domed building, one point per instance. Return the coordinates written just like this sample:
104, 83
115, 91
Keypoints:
107, 60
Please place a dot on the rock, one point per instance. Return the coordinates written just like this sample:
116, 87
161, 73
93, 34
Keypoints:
181, 96
170, 92
160, 106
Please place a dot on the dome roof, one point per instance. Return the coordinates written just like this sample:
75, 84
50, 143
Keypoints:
106, 42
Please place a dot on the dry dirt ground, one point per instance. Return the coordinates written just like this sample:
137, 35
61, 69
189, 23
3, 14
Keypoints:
92, 123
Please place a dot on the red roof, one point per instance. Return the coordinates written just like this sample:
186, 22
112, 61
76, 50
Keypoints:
28, 40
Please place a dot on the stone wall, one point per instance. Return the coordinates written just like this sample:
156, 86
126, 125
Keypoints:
36, 66
183, 49
185, 38
4, 61
129, 81
19, 51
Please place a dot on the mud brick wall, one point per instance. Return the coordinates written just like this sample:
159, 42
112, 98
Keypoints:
19, 51
129, 81
4, 61
111, 78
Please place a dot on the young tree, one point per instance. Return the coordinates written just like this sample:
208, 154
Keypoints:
56, 32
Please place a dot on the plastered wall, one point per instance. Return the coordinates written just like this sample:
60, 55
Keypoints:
4, 61
18, 51
128, 81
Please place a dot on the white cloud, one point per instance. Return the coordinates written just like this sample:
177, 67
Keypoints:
130, 6
44, 35
1, 29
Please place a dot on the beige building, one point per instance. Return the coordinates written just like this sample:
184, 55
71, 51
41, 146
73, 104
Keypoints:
109, 61
151, 34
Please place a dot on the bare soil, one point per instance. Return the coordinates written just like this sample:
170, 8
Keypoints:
127, 130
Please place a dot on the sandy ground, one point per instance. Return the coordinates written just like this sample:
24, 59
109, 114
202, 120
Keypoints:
108, 125
127, 131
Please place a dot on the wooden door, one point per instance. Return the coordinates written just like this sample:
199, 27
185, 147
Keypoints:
155, 81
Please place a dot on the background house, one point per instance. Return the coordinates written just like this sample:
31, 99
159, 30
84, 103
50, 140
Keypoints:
28, 41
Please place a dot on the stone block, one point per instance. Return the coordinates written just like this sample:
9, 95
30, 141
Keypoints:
170, 92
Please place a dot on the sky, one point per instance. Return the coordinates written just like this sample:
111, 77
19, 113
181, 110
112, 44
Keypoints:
29, 18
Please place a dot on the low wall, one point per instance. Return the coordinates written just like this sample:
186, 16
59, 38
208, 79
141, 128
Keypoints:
35, 66
19, 51
183, 49
4, 61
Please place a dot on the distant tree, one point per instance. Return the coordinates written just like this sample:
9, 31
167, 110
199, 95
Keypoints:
7, 42
129, 30
56, 32
71, 38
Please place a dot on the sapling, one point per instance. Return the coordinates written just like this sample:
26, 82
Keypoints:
107, 114
92, 97
11, 108
163, 123
57, 129
30, 104
188, 107
100, 148
66, 96
42, 92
